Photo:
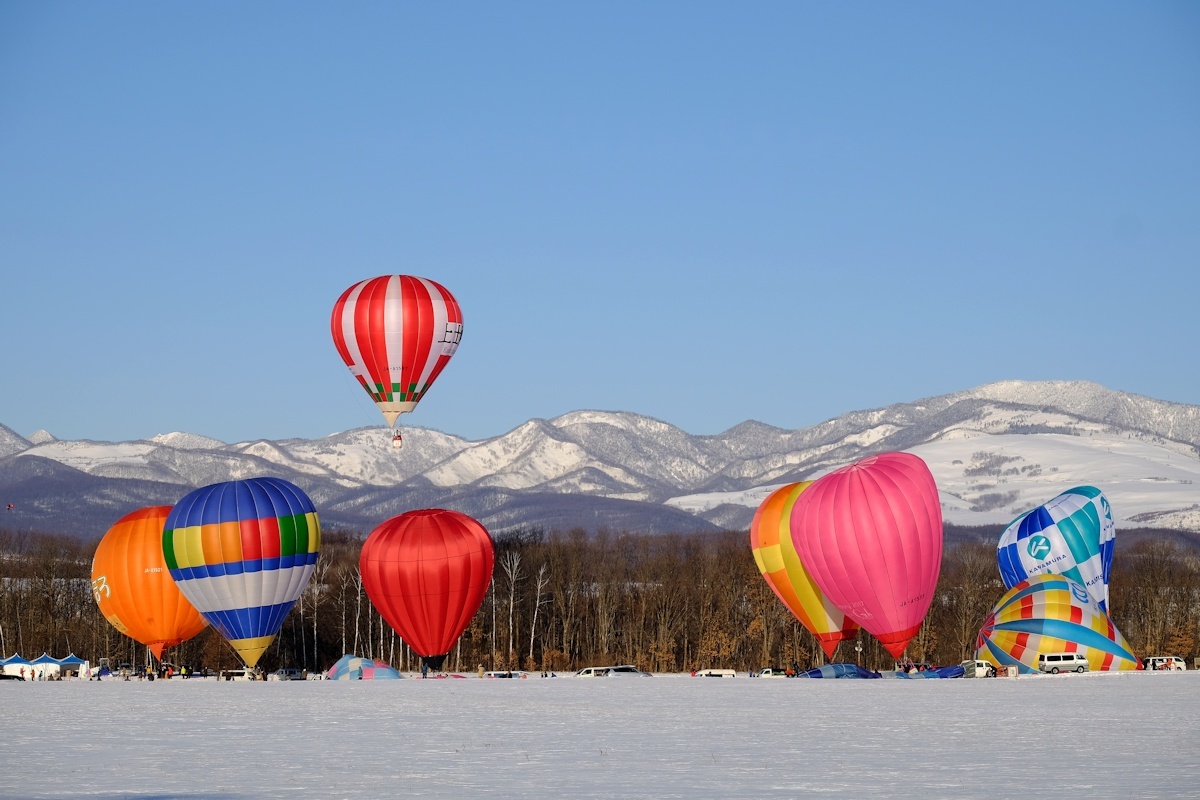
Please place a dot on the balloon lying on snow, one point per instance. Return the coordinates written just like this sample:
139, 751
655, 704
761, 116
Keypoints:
777, 560
1051, 614
426, 572
1072, 535
396, 333
242, 552
355, 668
870, 534
838, 671
132, 587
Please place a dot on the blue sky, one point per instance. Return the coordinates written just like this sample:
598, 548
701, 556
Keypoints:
703, 212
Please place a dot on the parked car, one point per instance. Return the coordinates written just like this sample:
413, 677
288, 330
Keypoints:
506, 673
238, 675
772, 672
627, 671
716, 673
978, 668
287, 674
1055, 663
624, 670
1170, 663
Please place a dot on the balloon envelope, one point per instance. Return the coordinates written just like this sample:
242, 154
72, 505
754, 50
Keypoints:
355, 668
1051, 614
426, 573
242, 552
777, 560
396, 333
1072, 535
870, 534
133, 588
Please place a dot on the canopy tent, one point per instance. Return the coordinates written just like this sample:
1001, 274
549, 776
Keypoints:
73, 664
46, 667
354, 668
15, 665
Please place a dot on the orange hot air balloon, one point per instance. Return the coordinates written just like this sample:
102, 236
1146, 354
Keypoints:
133, 588
775, 555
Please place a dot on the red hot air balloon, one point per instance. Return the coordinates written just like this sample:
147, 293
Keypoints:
426, 573
870, 535
396, 333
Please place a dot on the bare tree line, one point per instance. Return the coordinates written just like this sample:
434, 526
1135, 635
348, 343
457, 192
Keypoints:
563, 600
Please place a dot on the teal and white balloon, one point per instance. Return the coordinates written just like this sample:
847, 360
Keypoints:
1072, 535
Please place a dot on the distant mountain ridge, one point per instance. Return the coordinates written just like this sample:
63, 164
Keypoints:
996, 450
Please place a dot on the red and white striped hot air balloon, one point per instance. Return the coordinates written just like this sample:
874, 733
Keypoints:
396, 333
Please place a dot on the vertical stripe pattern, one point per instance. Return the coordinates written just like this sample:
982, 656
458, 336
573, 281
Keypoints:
396, 333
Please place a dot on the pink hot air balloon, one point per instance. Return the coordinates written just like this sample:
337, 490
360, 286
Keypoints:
870, 534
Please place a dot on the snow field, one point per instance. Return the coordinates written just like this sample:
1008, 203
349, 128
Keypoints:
1095, 736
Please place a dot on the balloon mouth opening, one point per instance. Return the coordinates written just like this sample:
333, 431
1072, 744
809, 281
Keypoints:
434, 662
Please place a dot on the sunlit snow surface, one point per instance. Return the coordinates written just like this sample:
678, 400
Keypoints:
1132, 735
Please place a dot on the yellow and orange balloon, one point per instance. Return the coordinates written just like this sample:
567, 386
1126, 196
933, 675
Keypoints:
775, 555
133, 588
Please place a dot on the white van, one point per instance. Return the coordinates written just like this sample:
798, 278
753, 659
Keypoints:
716, 673
1169, 663
1055, 663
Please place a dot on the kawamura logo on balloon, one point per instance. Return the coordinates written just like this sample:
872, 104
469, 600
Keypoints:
870, 534
1039, 547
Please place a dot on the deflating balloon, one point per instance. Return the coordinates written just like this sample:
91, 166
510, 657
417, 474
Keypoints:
242, 552
1051, 614
426, 573
396, 333
133, 588
870, 534
775, 555
1072, 535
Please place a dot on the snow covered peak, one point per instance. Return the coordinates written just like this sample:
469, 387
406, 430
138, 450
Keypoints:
12, 442
41, 437
186, 441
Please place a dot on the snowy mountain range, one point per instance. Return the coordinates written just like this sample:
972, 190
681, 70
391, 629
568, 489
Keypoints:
996, 451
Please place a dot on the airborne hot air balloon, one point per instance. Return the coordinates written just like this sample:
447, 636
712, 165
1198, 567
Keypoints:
396, 333
242, 552
426, 573
1072, 535
1051, 614
775, 555
133, 588
870, 534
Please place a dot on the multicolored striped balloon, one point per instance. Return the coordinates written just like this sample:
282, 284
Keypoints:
356, 668
777, 560
1072, 535
396, 333
1051, 614
242, 552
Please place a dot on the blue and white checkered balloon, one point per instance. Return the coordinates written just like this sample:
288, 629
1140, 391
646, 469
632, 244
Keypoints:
1072, 535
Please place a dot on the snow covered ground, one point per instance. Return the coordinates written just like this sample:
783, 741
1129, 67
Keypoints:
1094, 736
